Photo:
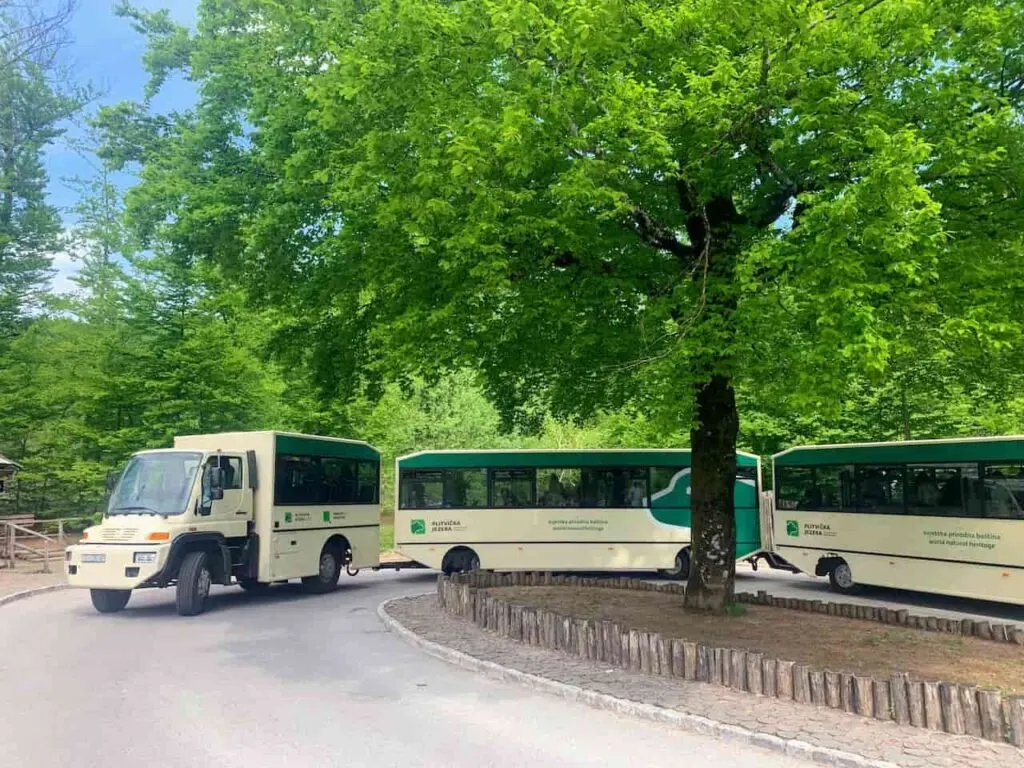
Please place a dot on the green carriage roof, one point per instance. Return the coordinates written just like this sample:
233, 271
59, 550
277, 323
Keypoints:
1009, 448
556, 458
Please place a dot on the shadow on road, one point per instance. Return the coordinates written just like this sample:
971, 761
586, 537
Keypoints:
225, 599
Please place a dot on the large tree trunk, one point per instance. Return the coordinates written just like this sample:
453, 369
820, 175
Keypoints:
713, 549
714, 230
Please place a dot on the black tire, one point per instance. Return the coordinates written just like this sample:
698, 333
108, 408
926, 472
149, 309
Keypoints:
460, 560
681, 571
253, 586
329, 571
194, 581
109, 600
840, 578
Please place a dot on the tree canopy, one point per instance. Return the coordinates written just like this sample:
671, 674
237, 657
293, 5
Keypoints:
598, 203
623, 222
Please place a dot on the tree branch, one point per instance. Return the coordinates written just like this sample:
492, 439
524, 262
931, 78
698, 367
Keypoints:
662, 238
30, 34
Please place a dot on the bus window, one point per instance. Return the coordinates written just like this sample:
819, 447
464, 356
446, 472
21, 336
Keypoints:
834, 489
938, 490
880, 490
513, 487
368, 482
558, 488
796, 488
465, 488
298, 480
621, 488
339, 481
1004, 491
422, 489
817, 489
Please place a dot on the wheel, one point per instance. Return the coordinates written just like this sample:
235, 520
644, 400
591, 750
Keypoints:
681, 570
327, 576
472, 562
193, 584
253, 586
109, 600
840, 578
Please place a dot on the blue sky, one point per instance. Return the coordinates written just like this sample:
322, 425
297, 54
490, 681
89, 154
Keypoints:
107, 53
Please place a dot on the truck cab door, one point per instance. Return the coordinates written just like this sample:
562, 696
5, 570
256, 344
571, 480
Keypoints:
231, 513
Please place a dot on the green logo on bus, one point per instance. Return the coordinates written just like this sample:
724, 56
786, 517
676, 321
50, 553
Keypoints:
287, 517
327, 516
792, 528
418, 527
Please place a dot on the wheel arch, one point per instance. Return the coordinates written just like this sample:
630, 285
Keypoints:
827, 563
341, 543
211, 542
460, 552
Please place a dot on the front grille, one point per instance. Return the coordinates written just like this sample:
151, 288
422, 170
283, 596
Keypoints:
118, 534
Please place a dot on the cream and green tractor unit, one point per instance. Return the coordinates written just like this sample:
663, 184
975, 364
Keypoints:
251, 508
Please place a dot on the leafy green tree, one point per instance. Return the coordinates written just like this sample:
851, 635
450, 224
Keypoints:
31, 111
604, 202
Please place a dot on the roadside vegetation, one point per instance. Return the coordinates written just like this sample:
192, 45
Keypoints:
486, 224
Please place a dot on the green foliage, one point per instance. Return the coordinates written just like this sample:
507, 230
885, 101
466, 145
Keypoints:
153, 345
485, 223
31, 111
608, 204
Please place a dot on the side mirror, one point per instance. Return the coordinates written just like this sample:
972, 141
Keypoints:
213, 489
111, 480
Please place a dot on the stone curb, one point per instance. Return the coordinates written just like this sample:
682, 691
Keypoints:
32, 593
647, 712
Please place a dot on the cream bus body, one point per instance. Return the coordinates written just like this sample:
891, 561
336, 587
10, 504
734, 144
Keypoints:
649, 530
242, 500
942, 516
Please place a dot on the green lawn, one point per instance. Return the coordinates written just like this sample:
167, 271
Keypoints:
387, 530
387, 536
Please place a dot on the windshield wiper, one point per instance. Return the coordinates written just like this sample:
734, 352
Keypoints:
144, 509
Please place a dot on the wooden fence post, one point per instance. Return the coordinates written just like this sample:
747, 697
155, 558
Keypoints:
864, 696
900, 702
833, 692
755, 679
816, 679
952, 713
883, 706
769, 677
932, 707
969, 706
1014, 707
738, 669
990, 712
784, 679
801, 684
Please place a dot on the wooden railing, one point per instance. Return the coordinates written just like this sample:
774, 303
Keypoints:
21, 541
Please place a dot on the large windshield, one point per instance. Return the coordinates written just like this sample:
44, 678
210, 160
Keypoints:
155, 483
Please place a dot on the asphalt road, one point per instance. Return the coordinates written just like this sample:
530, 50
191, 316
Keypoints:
288, 680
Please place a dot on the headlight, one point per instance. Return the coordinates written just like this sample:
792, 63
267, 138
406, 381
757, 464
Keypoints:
144, 557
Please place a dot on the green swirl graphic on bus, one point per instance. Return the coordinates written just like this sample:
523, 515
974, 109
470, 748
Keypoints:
792, 528
418, 527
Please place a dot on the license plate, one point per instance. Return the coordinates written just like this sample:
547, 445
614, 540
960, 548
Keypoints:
94, 558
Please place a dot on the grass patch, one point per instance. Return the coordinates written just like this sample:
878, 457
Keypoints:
825, 642
387, 537
387, 531
736, 609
